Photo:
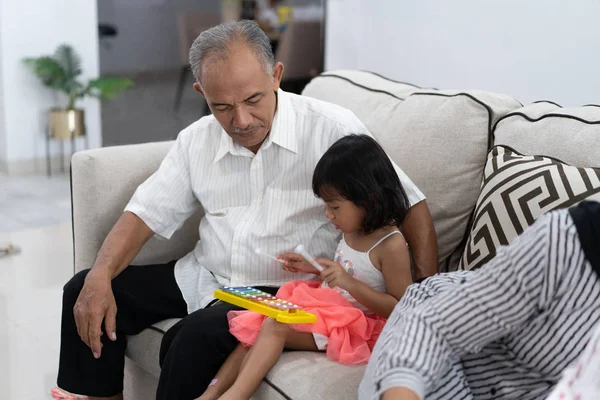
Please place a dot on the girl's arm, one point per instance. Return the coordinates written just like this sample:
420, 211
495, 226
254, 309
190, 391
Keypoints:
395, 262
294, 262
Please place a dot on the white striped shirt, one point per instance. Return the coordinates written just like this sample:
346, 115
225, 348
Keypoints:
506, 331
581, 381
261, 200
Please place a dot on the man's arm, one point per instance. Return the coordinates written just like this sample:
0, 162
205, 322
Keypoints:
122, 244
400, 393
96, 301
159, 206
420, 235
523, 278
418, 227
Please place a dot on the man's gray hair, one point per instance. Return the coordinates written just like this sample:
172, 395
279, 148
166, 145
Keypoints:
214, 45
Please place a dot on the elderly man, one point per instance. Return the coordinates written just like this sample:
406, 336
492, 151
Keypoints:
249, 167
506, 331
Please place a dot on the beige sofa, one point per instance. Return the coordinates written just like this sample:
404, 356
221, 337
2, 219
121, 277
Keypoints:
440, 138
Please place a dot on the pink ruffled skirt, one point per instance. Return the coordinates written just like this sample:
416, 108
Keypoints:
350, 333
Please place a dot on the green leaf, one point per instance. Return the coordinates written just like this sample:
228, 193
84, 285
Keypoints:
69, 60
49, 71
108, 87
61, 70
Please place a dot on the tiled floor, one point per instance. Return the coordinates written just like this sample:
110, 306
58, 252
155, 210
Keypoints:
34, 201
30, 305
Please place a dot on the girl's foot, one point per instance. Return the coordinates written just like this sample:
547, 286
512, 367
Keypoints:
59, 394
230, 395
208, 396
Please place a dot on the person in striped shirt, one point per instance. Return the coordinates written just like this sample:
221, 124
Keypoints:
581, 381
506, 331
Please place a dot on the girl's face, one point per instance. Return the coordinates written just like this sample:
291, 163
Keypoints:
344, 214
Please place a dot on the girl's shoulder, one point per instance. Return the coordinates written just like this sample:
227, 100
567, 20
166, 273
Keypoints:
393, 242
392, 247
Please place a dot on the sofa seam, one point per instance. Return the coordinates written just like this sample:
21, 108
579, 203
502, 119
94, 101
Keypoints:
360, 85
549, 115
547, 101
391, 80
277, 389
154, 328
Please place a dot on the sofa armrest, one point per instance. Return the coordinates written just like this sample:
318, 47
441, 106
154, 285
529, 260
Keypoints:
102, 182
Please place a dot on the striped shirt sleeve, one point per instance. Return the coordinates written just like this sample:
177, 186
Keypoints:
166, 199
519, 282
581, 381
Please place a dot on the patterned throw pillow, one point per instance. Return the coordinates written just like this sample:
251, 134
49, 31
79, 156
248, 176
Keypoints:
516, 190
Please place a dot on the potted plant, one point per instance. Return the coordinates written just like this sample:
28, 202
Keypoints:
60, 71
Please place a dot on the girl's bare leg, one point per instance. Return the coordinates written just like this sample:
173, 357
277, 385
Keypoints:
272, 339
226, 375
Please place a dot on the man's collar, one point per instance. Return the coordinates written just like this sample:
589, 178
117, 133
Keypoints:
283, 130
225, 146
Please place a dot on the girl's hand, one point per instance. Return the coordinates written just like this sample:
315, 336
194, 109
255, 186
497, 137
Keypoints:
335, 275
296, 263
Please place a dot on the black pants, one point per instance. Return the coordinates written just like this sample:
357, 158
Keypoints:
191, 351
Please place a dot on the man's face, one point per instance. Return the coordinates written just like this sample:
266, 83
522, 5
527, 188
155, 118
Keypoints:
241, 96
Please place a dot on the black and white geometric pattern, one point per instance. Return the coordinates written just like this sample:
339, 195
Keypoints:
516, 190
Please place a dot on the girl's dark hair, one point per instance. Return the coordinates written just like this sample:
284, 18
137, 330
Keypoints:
359, 170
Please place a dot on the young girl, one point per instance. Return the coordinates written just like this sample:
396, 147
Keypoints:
360, 287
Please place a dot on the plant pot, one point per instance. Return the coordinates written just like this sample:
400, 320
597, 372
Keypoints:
65, 124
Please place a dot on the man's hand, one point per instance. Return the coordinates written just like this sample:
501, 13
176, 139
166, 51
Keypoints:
335, 275
296, 263
399, 393
96, 303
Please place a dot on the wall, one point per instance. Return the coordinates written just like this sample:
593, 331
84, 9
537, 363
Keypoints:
148, 37
31, 28
2, 132
532, 50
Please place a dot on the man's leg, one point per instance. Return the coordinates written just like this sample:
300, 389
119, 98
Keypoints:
144, 295
265, 353
194, 349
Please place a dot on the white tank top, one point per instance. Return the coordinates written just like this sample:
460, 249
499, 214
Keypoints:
359, 265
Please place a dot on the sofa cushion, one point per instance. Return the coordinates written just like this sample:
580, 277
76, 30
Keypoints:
516, 190
569, 134
143, 348
303, 375
297, 375
439, 138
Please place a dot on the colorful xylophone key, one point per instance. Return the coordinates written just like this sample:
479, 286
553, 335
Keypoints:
264, 303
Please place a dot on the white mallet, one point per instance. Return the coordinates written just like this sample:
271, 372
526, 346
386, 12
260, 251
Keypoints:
257, 251
302, 251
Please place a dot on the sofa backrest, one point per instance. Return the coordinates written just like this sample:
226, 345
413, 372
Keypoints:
102, 182
439, 138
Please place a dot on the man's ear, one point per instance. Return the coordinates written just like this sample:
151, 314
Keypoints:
277, 75
198, 89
